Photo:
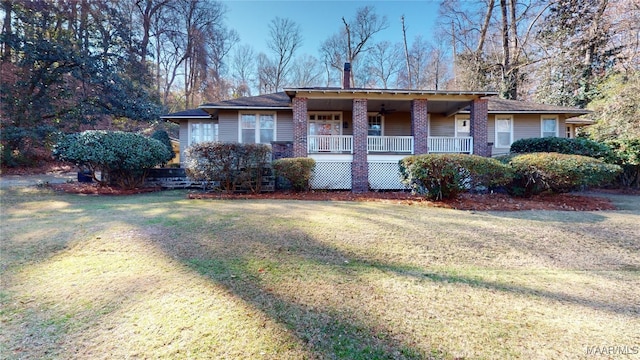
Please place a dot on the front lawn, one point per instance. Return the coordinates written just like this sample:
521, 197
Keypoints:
161, 276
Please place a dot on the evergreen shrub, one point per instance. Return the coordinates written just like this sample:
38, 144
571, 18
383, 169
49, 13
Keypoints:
539, 172
297, 171
232, 166
123, 158
442, 176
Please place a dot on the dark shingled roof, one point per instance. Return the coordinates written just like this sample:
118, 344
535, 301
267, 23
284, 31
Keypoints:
275, 100
195, 113
281, 100
497, 105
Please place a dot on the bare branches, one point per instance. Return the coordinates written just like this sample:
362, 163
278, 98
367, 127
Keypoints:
285, 38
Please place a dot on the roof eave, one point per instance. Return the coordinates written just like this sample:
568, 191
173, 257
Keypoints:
291, 92
215, 107
168, 117
577, 113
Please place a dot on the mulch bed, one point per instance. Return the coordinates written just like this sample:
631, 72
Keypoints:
480, 202
95, 189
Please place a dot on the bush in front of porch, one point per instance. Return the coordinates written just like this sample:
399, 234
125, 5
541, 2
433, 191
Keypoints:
444, 176
297, 171
539, 172
232, 166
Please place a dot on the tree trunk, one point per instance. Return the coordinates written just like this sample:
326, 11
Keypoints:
6, 29
406, 52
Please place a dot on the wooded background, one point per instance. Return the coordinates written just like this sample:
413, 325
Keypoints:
69, 65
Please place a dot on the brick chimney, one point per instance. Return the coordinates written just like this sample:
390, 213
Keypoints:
346, 77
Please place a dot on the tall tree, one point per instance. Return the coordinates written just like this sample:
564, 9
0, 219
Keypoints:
243, 67
7, 8
306, 71
576, 40
384, 62
285, 37
147, 11
353, 40
68, 70
494, 44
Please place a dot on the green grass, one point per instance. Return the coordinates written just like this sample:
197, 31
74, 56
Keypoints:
161, 276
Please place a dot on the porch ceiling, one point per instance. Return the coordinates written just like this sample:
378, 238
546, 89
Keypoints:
374, 105
335, 99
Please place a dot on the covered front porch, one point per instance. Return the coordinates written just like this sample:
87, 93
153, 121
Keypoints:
364, 124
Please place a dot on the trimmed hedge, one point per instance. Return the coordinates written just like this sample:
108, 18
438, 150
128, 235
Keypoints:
123, 158
297, 171
539, 172
233, 165
442, 176
578, 146
163, 137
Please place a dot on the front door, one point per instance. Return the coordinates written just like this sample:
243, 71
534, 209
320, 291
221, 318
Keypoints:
326, 125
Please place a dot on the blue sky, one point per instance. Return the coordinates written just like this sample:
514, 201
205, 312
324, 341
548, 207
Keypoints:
320, 19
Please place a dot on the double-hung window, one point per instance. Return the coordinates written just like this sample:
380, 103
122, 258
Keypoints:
549, 125
256, 128
504, 131
375, 124
201, 131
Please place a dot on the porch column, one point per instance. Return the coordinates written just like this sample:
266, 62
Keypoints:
479, 128
360, 166
299, 126
420, 126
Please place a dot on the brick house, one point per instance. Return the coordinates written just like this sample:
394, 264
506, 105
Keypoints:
357, 135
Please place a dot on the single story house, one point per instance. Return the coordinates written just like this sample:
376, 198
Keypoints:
357, 135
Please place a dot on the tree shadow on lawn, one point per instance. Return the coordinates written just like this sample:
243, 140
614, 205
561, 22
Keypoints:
330, 331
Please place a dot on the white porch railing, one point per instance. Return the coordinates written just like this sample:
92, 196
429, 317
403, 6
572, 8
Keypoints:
391, 144
445, 144
330, 143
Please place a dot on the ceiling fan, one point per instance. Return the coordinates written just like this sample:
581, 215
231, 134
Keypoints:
384, 111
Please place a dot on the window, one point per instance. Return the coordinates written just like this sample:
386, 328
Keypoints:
463, 126
569, 132
325, 124
202, 131
504, 131
257, 128
549, 126
375, 125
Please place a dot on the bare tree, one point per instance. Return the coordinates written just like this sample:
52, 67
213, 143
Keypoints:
191, 43
384, 61
267, 71
418, 60
243, 67
147, 10
406, 52
494, 48
306, 71
353, 39
285, 38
